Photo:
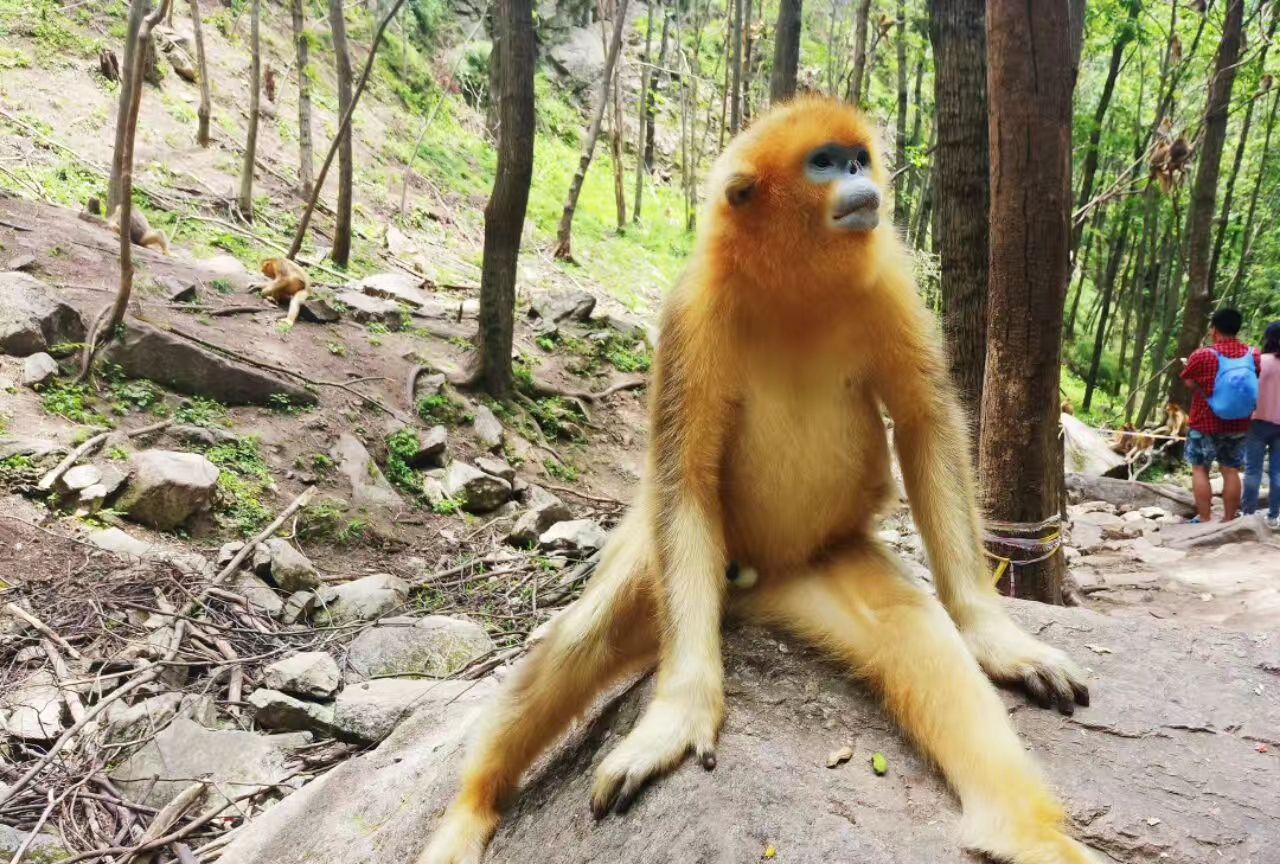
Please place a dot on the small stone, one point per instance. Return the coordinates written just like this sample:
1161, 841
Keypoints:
166, 488
311, 675
488, 428
370, 711
289, 568
573, 535
38, 370
431, 385
479, 492
555, 308
80, 477
435, 646
298, 607
177, 290
362, 600
283, 713
432, 446
1156, 513
227, 552
21, 262
496, 468
259, 594
370, 310
33, 709
544, 510
433, 490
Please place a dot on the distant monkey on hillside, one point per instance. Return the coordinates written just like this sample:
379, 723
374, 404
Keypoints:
140, 231
288, 282
795, 326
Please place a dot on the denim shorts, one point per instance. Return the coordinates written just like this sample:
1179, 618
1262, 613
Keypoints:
1203, 450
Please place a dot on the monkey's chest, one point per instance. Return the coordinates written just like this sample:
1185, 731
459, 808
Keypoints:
807, 466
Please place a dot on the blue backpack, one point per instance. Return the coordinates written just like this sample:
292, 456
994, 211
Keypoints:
1235, 390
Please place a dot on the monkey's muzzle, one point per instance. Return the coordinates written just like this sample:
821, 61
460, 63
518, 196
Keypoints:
857, 205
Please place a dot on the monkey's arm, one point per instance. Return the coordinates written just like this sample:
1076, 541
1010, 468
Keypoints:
691, 411
930, 435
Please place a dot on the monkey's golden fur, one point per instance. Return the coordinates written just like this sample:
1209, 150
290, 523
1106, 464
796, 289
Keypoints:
288, 282
140, 231
778, 349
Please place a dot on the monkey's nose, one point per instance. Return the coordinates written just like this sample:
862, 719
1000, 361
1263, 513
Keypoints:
857, 205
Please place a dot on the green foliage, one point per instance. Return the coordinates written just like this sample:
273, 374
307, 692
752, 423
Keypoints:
243, 479
72, 401
197, 411
566, 471
441, 409
447, 507
402, 446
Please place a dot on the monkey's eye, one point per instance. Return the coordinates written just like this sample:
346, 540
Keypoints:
821, 161
862, 157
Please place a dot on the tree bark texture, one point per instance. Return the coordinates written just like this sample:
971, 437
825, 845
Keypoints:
642, 111
306, 173
900, 126
205, 110
735, 53
137, 12
859, 49
1029, 84
342, 58
245, 200
786, 51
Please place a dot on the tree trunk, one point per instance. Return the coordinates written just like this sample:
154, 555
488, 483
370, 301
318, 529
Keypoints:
1099, 218
137, 13
205, 109
642, 101
504, 215
1248, 236
1100, 337
913, 176
1168, 314
1195, 311
1029, 83
306, 174
1128, 30
859, 49
960, 183
651, 104
564, 235
900, 127
735, 52
786, 51
342, 62
615, 147
245, 202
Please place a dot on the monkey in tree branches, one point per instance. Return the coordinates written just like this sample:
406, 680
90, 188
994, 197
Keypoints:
288, 282
140, 231
794, 327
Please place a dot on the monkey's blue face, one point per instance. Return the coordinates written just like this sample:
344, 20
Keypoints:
853, 199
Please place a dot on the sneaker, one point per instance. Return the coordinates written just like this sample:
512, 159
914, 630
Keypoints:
1273, 522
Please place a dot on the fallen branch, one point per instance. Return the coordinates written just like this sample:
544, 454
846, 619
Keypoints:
35, 831
47, 481
169, 814
15, 226
44, 629
599, 499
546, 388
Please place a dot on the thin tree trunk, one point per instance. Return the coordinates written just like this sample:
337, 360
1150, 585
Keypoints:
786, 51
615, 147
735, 69
1099, 218
642, 101
341, 253
137, 13
651, 104
1160, 349
245, 202
1195, 311
900, 127
960, 182
306, 173
1248, 236
913, 176
505, 213
744, 85
1127, 291
1128, 30
564, 236
1114, 257
1029, 83
859, 49
205, 109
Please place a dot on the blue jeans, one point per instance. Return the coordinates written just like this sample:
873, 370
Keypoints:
1263, 438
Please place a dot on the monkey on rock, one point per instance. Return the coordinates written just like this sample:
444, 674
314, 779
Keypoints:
794, 327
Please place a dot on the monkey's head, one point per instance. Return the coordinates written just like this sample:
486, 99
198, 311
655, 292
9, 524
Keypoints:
798, 194
270, 267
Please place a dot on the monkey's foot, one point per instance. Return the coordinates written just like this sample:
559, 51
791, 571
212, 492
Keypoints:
666, 733
1045, 845
461, 837
1009, 656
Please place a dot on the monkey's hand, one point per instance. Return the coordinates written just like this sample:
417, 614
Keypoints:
669, 729
1009, 656
461, 836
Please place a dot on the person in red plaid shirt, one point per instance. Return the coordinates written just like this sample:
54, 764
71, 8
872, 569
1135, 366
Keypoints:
1212, 438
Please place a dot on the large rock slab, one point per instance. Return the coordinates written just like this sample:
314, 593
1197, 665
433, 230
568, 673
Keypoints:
146, 352
1131, 494
579, 59
1246, 529
33, 709
1163, 768
367, 713
434, 646
167, 487
31, 319
309, 675
361, 600
235, 762
370, 489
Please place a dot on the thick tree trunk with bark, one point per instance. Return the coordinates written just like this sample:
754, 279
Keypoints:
137, 13
504, 215
306, 175
859, 49
1195, 311
564, 235
960, 188
205, 110
342, 59
245, 201
786, 51
1029, 84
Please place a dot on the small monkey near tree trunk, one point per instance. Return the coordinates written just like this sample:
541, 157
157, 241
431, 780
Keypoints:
504, 215
1029, 83
245, 201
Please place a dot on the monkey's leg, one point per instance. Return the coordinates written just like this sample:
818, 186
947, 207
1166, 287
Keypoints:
610, 631
295, 306
862, 609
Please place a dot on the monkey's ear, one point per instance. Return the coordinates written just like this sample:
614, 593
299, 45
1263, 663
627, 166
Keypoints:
740, 189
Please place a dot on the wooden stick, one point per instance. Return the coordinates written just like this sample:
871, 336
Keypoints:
61, 674
168, 815
47, 481
18, 612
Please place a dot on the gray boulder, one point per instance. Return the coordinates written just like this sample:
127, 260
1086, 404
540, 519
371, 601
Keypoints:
496, 468
432, 447
34, 448
31, 320
575, 535
137, 722
371, 310
368, 712
235, 763
488, 428
33, 709
259, 594
370, 489
38, 370
551, 309
435, 646
479, 492
281, 712
79, 477
579, 59
309, 675
166, 488
362, 600
395, 286
1242, 530
288, 568
1163, 766
1130, 494
147, 352
45, 847
298, 607
544, 511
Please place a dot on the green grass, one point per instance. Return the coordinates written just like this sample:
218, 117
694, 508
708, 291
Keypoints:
243, 479
72, 401
402, 446
197, 411
440, 409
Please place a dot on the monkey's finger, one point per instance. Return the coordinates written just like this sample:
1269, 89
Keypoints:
631, 789
605, 794
1081, 693
707, 758
1036, 688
